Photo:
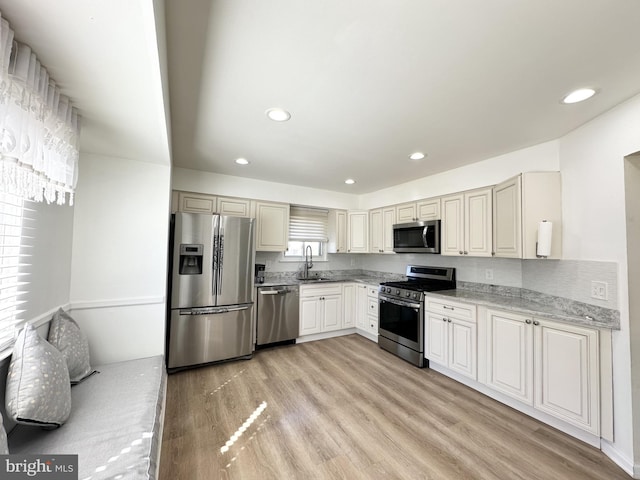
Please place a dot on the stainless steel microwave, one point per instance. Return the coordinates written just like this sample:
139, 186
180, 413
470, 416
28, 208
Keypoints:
417, 237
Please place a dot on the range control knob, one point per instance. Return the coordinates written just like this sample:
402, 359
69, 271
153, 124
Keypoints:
415, 295
407, 294
397, 292
388, 289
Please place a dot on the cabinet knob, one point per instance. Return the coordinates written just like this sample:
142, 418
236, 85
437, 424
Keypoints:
493, 254
466, 253
444, 319
536, 323
460, 252
449, 320
527, 321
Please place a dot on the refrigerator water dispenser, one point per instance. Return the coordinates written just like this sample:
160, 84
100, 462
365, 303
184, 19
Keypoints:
191, 259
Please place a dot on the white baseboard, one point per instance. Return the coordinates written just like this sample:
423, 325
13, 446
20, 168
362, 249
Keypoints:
619, 459
325, 335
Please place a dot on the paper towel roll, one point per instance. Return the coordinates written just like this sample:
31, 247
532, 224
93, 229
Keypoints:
543, 248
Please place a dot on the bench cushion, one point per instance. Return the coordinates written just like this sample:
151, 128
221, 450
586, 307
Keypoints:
114, 425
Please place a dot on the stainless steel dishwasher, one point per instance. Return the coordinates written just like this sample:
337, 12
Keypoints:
278, 314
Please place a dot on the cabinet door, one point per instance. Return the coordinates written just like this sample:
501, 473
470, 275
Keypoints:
452, 237
435, 341
462, 347
237, 207
196, 203
310, 315
567, 373
509, 354
375, 231
507, 218
406, 213
272, 227
349, 305
362, 302
388, 220
478, 223
428, 209
358, 231
337, 231
332, 313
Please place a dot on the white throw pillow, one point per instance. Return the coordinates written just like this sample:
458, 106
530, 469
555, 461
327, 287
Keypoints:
66, 336
38, 388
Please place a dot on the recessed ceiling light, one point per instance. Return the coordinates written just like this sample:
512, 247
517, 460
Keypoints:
579, 95
278, 114
349, 181
417, 156
242, 161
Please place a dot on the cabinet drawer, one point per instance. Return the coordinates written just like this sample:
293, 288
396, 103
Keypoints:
320, 290
455, 309
372, 291
372, 323
373, 307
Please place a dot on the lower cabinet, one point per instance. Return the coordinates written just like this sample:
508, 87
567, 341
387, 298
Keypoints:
549, 365
451, 336
320, 308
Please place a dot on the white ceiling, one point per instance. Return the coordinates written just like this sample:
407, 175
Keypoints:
367, 81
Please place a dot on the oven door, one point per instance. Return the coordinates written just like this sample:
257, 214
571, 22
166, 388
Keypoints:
402, 322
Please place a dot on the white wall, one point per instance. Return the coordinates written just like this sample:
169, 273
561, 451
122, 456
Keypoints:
543, 157
206, 182
594, 227
51, 229
118, 268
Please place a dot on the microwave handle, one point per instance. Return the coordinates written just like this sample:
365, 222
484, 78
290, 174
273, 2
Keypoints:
424, 236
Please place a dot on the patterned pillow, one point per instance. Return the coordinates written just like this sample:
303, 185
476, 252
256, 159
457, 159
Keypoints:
38, 389
66, 336
4, 446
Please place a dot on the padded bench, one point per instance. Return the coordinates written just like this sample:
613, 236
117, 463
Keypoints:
115, 425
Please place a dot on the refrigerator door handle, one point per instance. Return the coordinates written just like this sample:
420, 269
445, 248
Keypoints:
213, 310
220, 260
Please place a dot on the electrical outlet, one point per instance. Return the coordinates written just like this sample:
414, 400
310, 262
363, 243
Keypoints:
488, 274
599, 290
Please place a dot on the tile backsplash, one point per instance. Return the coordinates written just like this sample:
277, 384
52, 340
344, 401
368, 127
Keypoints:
561, 278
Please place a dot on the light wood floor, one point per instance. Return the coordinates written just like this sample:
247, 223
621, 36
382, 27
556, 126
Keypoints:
344, 408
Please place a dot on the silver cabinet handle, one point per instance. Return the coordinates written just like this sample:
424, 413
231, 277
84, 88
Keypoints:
449, 320
460, 252
448, 307
536, 323
466, 253
527, 321
444, 319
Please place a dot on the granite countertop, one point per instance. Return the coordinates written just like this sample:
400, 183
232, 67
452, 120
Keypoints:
539, 305
367, 279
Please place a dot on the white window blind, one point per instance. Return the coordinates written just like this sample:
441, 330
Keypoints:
308, 224
15, 240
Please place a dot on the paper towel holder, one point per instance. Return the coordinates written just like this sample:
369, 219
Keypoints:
548, 241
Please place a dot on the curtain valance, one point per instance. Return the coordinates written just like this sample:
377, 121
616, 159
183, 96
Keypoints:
39, 128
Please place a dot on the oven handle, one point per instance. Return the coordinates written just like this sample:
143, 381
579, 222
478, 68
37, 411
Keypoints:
402, 303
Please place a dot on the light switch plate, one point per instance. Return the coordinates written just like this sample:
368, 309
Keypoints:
599, 290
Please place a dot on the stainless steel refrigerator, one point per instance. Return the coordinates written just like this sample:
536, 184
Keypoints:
209, 318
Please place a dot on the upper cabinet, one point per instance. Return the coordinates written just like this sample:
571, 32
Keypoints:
358, 231
417, 211
467, 223
381, 222
196, 202
337, 231
237, 207
272, 227
519, 205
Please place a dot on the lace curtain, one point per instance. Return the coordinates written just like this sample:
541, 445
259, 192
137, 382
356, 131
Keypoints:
39, 129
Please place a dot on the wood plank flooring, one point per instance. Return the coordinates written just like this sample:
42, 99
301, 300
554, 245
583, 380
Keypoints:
345, 409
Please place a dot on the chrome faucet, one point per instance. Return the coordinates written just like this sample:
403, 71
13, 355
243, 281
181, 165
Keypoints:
308, 260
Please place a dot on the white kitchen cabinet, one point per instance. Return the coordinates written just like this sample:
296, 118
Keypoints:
320, 308
349, 304
362, 305
428, 209
509, 354
549, 365
272, 227
237, 207
190, 202
467, 223
451, 336
381, 222
567, 367
337, 231
519, 205
358, 231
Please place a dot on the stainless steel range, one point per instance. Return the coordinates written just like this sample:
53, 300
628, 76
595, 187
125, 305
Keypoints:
401, 310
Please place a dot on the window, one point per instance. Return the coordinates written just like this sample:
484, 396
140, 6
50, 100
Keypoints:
307, 227
13, 244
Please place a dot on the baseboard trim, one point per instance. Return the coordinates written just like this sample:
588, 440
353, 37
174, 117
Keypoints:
117, 302
619, 459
